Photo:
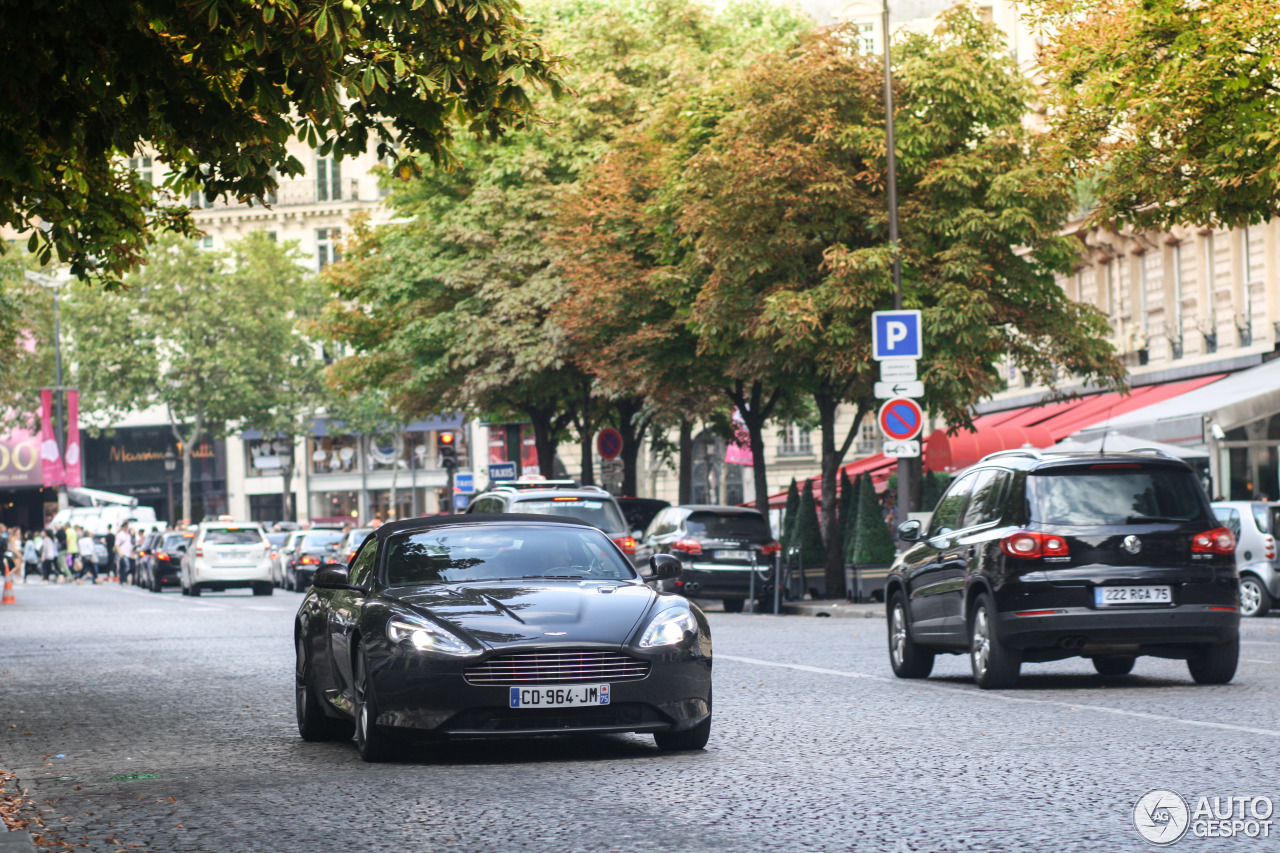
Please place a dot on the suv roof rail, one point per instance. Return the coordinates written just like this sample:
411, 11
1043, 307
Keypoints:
1152, 451
519, 485
1028, 451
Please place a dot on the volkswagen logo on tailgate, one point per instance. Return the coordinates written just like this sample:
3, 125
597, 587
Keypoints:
1132, 544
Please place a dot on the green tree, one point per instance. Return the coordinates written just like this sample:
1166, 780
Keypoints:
807, 532
935, 483
848, 505
783, 200
1167, 108
217, 89
208, 336
26, 340
873, 543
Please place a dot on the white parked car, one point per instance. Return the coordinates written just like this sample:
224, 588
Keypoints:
1254, 523
227, 555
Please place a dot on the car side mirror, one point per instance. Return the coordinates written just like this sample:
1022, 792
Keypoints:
909, 531
637, 534
332, 576
664, 566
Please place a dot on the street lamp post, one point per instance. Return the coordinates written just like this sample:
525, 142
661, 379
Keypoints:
170, 465
54, 286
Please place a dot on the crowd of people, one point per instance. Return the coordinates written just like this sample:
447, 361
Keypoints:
68, 554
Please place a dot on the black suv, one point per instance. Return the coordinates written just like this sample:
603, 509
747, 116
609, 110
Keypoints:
564, 498
718, 545
1033, 557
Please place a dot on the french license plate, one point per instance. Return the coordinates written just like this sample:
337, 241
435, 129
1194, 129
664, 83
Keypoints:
570, 696
734, 555
1105, 596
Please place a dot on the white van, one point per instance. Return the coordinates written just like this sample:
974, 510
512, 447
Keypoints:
95, 519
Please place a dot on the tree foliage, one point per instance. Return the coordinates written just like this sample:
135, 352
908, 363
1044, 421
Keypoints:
208, 336
217, 88
1169, 108
806, 534
872, 542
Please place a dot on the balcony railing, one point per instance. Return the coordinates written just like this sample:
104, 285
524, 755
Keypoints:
292, 194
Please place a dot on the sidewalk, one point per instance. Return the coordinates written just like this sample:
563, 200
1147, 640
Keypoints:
834, 609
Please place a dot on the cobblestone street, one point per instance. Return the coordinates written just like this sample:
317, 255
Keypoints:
167, 723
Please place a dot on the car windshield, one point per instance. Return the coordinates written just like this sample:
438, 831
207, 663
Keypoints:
603, 514
327, 541
174, 540
232, 536
277, 539
737, 525
1115, 495
491, 552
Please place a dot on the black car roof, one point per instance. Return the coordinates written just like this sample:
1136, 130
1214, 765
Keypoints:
720, 508
1028, 459
416, 524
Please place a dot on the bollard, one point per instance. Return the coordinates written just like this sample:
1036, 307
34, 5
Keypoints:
8, 589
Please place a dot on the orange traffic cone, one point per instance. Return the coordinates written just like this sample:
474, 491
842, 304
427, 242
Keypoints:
8, 589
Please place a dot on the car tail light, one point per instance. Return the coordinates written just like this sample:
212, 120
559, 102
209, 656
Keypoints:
1219, 540
164, 557
1270, 544
199, 552
1030, 545
688, 546
310, 561
626, 543
770, 548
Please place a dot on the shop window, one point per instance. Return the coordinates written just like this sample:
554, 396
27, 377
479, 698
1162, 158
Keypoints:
334, 454
387, 452
795, 441
267, 456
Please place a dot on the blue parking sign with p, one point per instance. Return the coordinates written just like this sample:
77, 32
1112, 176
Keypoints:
896, 334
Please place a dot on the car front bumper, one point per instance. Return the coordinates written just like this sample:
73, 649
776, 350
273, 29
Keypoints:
436, 698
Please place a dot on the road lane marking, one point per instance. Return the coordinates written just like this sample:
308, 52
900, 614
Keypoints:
1254, 660
268, 609
986, 694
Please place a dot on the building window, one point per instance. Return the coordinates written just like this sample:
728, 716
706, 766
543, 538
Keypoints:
327, 247
142, 165
328, 179
267, 456
388, 452
205, 242
869, 435
795, 441
334, 454
866, 38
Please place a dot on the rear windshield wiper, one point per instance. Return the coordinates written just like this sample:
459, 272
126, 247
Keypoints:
1151, 519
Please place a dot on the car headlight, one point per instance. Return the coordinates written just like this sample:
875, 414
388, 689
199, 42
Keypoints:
426, 637
669, 627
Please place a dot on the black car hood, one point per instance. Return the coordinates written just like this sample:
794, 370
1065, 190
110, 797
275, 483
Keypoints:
519, 613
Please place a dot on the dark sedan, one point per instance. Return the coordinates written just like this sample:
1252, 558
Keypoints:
161, 566
312, 550
498, 625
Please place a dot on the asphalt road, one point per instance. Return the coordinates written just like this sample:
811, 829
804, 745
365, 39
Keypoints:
164, 723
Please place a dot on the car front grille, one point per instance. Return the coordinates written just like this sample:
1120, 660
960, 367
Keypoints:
557, 667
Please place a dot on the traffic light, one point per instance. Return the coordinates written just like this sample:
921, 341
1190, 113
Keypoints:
447, 443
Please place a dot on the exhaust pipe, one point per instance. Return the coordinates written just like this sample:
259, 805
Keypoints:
1073, 642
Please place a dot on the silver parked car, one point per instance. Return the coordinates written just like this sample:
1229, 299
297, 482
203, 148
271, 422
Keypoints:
1254, 523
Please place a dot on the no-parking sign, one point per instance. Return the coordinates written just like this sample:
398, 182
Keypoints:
901, 419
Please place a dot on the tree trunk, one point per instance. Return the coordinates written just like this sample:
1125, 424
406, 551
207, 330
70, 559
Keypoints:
755, 410
188, 444
586, 428
832, 458
286, 492
632, 424
686, 461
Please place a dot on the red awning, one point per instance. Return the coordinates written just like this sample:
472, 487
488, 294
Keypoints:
1038, 426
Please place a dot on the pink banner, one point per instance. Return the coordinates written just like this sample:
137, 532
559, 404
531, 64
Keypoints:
51, 460
739, 450
73, 440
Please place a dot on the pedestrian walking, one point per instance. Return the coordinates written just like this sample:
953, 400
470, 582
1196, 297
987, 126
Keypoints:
88, 557
109, 541
49, 556
73, 549
30, 557
124, 552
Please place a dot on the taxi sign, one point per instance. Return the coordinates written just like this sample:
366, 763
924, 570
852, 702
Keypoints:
901, 419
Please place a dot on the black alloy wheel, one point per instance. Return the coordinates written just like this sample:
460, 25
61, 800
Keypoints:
373, 742
995, 665
907, 657
1254, 598
1120, 665
689, 739
194, 590
1215, 664
313, 723
156, 586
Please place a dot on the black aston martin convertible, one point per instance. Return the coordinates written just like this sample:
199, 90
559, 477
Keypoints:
487, 625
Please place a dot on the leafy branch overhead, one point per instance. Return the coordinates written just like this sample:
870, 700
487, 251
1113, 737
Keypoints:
218, 88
